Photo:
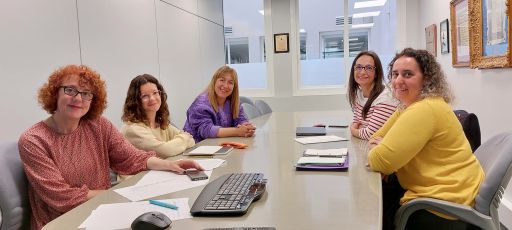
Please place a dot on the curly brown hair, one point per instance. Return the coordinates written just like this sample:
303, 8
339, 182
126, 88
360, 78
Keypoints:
48, 93
235, 98
133, 110
434, 79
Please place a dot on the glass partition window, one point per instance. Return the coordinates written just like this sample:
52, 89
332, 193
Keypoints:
321, 26
237, 50
245, 42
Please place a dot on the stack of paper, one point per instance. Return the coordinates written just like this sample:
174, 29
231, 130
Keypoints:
108, 216
326, 152
319, 139
321, 160
328, 159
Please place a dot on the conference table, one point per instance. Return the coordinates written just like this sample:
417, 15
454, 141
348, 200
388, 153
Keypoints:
350, 199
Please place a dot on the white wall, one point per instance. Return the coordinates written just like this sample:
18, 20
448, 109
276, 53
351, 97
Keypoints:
483, 92
180, 42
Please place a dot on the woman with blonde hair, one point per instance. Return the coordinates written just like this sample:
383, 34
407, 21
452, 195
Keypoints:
217, 111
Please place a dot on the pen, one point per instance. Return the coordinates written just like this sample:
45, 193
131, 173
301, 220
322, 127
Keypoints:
338, 126
163, 204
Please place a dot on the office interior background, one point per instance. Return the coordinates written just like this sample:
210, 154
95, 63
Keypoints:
182, 42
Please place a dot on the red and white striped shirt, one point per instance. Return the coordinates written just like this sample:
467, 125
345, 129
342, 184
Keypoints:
380, 110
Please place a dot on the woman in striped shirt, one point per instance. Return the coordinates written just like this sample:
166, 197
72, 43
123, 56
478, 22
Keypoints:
371, 102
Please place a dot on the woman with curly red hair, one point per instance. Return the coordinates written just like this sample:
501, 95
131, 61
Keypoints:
67, 157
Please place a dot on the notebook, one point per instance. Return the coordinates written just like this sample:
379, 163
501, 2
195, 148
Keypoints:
310, 131
206, 150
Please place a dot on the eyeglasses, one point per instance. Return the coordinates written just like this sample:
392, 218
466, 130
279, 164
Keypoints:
368, 68
72, 91
155, 94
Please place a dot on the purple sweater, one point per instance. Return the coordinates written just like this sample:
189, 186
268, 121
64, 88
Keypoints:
203, 122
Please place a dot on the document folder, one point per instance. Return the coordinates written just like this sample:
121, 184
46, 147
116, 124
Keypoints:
323, 166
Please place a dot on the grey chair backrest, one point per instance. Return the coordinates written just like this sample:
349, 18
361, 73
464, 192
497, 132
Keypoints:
13, 189
246, 100
495, 156
262, 106
250, 111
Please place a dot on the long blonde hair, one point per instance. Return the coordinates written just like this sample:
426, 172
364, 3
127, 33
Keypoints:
234, 97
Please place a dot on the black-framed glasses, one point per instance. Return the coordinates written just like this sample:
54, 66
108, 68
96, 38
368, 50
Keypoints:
367, 68
72, 91
155, 94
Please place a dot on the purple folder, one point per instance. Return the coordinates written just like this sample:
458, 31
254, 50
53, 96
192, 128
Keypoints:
323, 167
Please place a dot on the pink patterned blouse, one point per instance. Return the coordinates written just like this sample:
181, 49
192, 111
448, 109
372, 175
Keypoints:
61, 169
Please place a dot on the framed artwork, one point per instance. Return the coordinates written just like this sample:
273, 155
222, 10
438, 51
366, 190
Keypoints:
489, 32
281, 43
431, 39
444, 37
459, 32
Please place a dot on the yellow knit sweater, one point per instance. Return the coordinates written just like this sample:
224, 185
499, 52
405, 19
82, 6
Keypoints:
426, 147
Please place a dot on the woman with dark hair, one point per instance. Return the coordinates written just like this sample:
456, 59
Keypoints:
217, 111
68, 156
424, 145
371, 102
146, 119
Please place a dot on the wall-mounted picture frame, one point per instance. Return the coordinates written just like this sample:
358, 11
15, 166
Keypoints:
444, 36
459, 29
489, 33
281, 43
431, 39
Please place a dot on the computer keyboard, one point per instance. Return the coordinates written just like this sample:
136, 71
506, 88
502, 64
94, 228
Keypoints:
230, 194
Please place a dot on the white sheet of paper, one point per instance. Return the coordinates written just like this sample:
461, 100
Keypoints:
107, 216
154, 176
321, 160
326, 152
210, 164
319, 139
206, 149
172, 183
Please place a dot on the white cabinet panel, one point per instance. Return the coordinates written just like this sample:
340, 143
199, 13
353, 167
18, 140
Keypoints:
36, 37
188, 5
212, 10
178, 42
119, 41
212, 49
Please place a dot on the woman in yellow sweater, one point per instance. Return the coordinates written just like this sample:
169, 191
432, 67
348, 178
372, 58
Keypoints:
423, 144
146, 119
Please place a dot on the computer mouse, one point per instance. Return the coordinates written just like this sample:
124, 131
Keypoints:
151, 221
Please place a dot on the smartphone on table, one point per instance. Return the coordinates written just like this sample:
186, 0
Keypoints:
195, 175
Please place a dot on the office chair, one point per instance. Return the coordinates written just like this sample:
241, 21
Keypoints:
471, 127
13, 189
262, 106
495, 156
246, 100
251, 111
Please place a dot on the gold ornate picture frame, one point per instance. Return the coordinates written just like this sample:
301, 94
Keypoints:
489, 32
459, 33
